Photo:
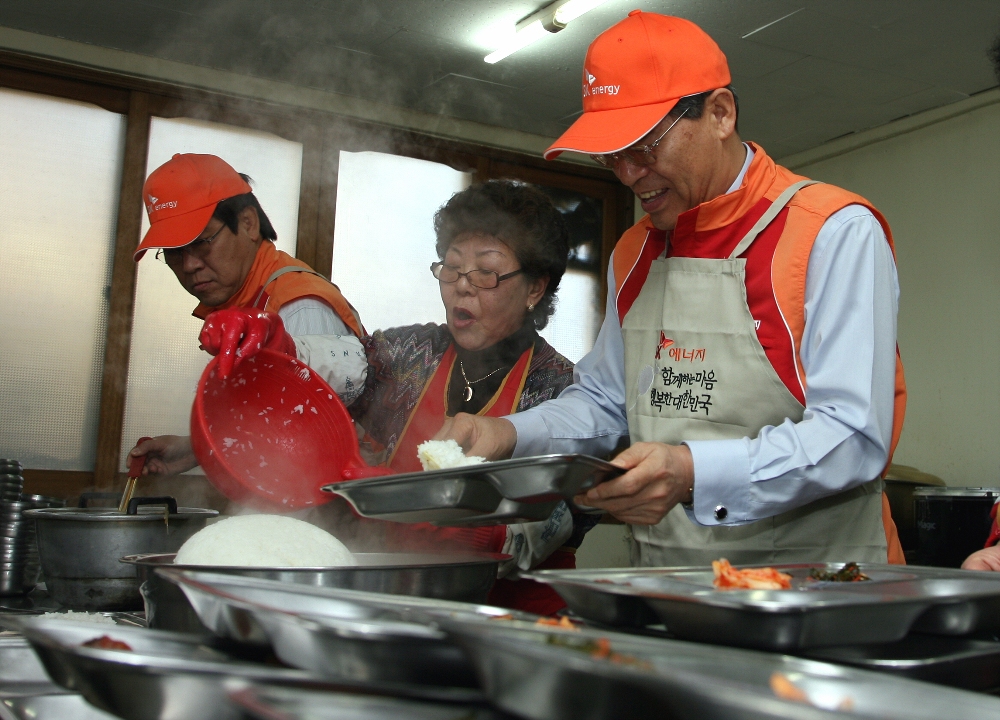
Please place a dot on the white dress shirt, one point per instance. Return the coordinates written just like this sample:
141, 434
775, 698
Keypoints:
849, 355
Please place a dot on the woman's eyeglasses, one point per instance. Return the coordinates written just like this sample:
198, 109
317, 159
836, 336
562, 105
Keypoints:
642, 155
199, 249
483, 279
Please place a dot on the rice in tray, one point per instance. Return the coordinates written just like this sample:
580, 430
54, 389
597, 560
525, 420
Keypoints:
264, 541
91, 617
444, 454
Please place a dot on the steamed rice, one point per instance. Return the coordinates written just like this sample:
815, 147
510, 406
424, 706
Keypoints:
263, 541
91, 617
443, 454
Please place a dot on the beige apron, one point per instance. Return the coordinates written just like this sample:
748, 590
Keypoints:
695, 370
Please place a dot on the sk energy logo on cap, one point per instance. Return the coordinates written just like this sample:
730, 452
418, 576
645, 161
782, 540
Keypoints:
590, 89
153, 206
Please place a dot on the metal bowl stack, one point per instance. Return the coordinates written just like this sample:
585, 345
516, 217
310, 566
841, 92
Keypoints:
32, 563
19, 564
11, 481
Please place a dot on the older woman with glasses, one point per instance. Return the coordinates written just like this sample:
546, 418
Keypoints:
503, 249
209, 228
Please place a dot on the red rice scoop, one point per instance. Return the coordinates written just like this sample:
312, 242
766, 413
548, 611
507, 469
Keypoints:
273, 432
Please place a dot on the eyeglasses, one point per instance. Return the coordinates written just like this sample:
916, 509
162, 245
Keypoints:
637, 154
198, 248
483, 279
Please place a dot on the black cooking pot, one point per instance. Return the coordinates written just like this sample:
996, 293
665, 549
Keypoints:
952, 523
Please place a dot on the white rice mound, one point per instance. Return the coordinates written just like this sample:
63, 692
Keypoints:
444, 454
264, 541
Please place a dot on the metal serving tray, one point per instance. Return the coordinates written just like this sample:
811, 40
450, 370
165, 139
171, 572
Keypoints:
337, 633
66, 706
959, 662
167, 676
549, 674
811, 614
268, 702
19, 664
467, 577
495, 493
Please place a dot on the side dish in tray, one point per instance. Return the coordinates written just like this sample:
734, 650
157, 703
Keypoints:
729, 578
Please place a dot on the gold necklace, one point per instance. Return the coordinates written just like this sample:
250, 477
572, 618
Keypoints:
467, 395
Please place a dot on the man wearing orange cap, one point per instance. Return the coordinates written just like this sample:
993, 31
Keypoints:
749, 346
207, 225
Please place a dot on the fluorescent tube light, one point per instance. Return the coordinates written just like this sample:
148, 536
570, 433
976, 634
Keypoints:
550, 19
522, 39
569, 11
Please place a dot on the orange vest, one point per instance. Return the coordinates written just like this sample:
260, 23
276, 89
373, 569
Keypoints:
286, 288
806, 213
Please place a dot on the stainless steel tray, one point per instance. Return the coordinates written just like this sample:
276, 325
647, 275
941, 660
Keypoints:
548, 674
959, 662
496, 493
811, 614
66, 706
268, 702
466, 577
336, 633
168, 675
21, 672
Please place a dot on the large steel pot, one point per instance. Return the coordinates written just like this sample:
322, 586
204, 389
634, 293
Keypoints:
466, 577
79, 548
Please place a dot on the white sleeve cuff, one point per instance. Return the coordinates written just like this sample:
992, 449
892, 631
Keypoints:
721, 481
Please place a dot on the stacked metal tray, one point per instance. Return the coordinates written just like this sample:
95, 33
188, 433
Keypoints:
64, 706
896, 601
495, 493
452, 576
552, 674
168, 675
339, 634
269, 702
959, 662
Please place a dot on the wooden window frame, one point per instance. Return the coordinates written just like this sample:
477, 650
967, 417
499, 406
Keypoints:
323, 135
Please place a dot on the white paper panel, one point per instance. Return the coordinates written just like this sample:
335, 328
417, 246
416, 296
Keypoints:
60, 177
573, 328
165, 361
384, 239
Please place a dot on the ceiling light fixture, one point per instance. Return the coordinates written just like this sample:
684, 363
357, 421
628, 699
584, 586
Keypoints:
550, 19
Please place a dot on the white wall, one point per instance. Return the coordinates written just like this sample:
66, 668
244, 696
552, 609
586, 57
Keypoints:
939, 187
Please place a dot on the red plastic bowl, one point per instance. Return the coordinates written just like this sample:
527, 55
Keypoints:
272, 433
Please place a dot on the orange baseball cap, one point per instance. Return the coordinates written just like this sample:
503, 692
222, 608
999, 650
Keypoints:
180, 197
634, 74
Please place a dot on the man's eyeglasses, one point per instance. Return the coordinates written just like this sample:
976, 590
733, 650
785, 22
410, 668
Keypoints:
637, 154
483, 279
199, 249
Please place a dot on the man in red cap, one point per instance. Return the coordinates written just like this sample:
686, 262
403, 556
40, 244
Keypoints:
207, 225
749, 347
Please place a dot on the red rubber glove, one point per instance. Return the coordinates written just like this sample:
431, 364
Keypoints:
238, 333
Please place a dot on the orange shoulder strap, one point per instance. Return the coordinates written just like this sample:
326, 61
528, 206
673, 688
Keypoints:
636, 250
810, 208
295, 284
